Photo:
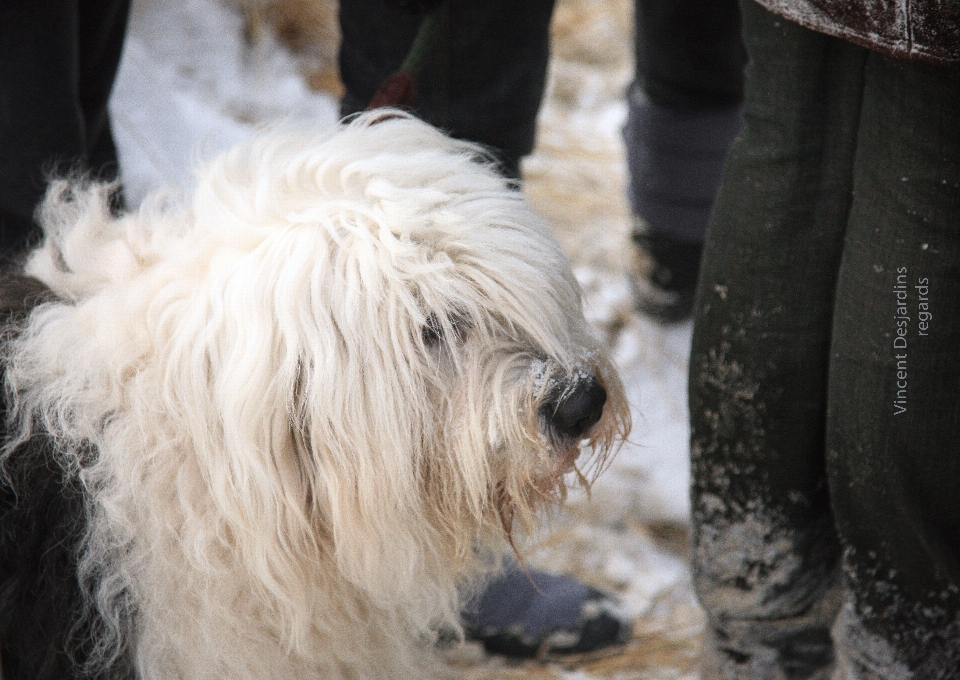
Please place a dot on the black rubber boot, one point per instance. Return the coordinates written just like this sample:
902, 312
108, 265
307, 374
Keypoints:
664, 278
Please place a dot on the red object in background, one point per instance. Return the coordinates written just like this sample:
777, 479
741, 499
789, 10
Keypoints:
398, 90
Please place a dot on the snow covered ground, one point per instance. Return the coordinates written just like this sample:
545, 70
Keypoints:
192, 83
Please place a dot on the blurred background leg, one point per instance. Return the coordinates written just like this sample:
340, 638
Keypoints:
684, 111
57, 65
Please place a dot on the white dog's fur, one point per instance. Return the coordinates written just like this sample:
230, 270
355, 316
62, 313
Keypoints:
302, 403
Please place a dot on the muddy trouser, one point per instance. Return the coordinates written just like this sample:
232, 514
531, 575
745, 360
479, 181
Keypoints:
484, 80
58, 60
825, 370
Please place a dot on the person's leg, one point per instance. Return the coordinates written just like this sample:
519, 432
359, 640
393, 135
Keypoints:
894, 393
765, 548
57, 62
102, 27
483, 83
689, 53
684, 111
41, 124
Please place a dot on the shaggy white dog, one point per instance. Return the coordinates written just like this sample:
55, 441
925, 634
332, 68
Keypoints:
298, 408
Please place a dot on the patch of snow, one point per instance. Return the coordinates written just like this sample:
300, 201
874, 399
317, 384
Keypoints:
190, 84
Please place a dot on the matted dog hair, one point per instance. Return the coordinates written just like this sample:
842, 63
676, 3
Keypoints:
302, 403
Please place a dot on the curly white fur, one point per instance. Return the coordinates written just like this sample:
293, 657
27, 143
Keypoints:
287, 476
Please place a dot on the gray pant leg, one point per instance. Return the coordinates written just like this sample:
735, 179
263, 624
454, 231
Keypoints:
675, 157
684, 111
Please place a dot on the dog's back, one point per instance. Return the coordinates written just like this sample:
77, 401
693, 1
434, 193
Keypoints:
41, 525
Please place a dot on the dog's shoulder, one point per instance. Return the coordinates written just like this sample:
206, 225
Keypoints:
41, 526
20, 293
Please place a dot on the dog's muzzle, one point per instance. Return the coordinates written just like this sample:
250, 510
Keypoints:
573, 408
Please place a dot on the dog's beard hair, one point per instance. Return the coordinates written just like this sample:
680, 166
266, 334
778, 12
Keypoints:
276, 453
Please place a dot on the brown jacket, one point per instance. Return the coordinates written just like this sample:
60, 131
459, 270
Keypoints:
922, 30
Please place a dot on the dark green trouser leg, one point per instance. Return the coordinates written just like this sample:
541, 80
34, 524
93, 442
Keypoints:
484, 82
765, 547
893, 429
847, 166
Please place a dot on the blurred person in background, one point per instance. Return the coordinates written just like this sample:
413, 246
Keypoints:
684, 111
58, 61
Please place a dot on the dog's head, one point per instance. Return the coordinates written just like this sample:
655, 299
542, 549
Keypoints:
376, 347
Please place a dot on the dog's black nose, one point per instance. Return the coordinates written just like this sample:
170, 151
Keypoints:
576, 408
